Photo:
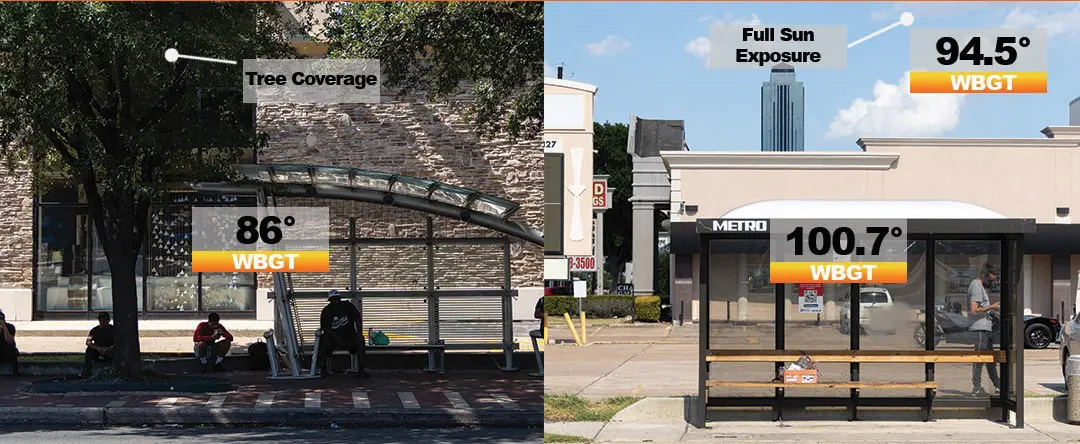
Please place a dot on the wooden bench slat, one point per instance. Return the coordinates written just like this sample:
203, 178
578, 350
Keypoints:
833, 385
893, 356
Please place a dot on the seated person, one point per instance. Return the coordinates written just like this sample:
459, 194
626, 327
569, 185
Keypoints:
538, 313
212, 342
8, 351
341, 330
99, 344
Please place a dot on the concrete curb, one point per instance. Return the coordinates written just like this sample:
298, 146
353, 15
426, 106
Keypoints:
297, 416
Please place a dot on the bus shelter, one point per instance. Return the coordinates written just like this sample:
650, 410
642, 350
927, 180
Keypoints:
424, 290
872, 343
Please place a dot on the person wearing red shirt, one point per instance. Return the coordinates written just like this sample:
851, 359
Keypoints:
212, 342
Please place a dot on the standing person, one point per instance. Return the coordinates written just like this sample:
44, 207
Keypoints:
99, 344
980, 310
8, 351
341, 330
212, 342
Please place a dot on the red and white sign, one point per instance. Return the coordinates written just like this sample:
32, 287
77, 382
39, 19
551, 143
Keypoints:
599, 195
582, 263
817, 289
811, 298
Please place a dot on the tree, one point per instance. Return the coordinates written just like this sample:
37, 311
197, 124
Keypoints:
611, 158
436, 48
85, 92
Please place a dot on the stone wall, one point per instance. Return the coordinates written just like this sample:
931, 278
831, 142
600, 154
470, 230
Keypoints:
430, 141
16, 228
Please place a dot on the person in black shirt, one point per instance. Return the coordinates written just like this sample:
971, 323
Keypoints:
99, 344
341, 330
8, 351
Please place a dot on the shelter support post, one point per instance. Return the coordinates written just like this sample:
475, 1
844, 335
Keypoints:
507, 309
930, 323
700, 409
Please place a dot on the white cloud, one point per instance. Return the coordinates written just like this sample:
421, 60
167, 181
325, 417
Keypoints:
548, 70
613, 44
895, 112
699, 46
1059, 23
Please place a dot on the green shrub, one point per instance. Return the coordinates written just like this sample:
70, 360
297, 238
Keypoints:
600, 306
557, 305
647, 308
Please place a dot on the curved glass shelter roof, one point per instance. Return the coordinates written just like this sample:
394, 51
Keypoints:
377, 187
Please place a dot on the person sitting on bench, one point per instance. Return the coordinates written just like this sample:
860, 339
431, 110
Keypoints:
8, 351
341, 330
212, 342
99, 344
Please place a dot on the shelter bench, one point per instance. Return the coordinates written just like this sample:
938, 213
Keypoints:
853, 357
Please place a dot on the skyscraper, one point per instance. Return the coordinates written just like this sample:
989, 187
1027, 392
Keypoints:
782, 111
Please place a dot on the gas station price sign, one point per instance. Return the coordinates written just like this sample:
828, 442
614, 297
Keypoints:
996, 60
260, 239
838, 251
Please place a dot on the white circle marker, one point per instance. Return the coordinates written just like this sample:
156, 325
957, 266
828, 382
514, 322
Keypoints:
172, 55
907, 19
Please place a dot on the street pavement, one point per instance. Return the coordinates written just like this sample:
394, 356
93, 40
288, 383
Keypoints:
218, 435
416, 397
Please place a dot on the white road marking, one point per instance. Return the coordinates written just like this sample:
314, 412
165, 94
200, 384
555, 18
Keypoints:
312, 400
408, 400
116, 403
264, 401
456, 400
504, 400
216, 401
167, 402
360, 400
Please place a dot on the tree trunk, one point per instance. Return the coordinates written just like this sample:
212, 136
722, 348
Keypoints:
126, 352
119, 227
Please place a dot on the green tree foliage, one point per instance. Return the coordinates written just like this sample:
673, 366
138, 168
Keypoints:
496, 48
611, 158
86, 94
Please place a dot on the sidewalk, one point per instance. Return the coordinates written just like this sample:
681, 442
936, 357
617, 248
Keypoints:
389, 398
661, 420
618, 360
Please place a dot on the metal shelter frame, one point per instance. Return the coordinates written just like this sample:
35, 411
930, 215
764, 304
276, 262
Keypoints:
1008, 232
267, 182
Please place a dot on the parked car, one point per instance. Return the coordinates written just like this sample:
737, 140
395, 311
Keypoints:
1040, 331
1070, 342
875, 304
558, 287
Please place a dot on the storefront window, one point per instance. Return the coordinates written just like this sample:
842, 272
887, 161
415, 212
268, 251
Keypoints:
171, 284
62, 262
228, 291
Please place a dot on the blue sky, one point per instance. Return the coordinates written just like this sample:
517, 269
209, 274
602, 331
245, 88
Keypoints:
646, 59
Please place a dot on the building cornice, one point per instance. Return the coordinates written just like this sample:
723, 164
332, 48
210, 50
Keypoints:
1062, 132
781, 160
891, 142
570, 84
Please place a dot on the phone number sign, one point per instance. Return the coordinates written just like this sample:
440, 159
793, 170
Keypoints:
582, 263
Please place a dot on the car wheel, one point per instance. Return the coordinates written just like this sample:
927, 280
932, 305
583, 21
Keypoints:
920, 335
1037, 336
845, 325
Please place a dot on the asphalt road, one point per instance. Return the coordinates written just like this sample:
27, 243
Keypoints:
130, 435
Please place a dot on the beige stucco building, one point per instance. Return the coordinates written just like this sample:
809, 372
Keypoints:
1029, 178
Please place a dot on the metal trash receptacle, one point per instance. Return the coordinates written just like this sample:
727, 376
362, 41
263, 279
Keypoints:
1072, 376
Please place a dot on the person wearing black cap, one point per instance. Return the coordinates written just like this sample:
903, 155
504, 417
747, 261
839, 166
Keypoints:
99, 344
982, 311
8, 351
341, 330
